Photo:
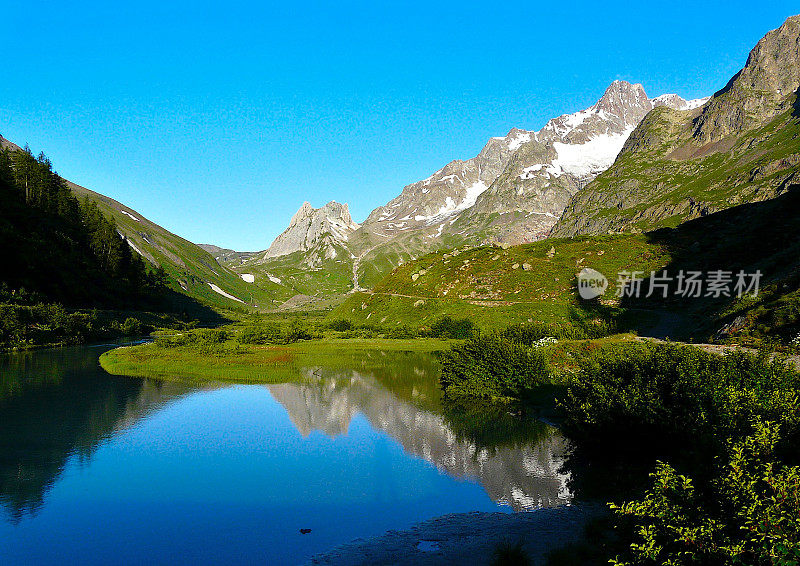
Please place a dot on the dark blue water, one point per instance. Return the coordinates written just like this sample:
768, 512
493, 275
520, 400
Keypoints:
98, 469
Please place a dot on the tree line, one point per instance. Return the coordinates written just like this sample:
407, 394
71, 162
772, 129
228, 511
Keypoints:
60, 249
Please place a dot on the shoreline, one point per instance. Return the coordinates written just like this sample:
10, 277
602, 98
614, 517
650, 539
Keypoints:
468, 538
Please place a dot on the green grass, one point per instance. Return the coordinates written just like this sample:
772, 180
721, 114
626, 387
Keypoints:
646, 188
492, 287
250, 363
189, 267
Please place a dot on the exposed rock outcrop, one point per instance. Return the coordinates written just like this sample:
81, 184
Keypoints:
312, 227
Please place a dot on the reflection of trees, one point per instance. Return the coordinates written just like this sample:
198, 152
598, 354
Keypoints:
55, 404
491, 425
522, 472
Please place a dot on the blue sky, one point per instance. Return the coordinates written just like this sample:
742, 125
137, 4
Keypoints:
217, 120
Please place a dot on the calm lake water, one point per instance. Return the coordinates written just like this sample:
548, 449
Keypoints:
98, 469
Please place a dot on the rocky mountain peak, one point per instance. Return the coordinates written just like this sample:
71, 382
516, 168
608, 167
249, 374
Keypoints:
764, 88
774, 63
625, 100
303, 212
678, 103
311, 226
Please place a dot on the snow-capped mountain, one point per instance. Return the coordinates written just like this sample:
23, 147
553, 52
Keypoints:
517, 186
527, 198
450, 190
513, 191
676, 102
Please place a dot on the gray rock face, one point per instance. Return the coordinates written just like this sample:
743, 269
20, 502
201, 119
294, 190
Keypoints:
512, 192
225, 255
525, 177
763, 89
526, 200
311, 227
738, 147
677, 103
448, 191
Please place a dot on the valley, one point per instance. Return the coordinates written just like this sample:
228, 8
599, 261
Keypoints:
585, 337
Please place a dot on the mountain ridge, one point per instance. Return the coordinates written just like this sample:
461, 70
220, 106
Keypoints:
741, 146
191, 270
512, 191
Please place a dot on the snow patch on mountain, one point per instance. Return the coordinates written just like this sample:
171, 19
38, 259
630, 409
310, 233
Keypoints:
676, 102
517, 141
451, 207
131, 244
129, 215
248, 277
592, 157
216, 289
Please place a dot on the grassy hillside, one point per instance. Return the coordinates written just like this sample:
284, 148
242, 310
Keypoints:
741, 146
763, 236
303, 273
663, 177
537, 282
190, 269
497, 287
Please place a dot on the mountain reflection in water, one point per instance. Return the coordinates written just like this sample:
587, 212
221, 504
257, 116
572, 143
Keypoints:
524, 474
59, 405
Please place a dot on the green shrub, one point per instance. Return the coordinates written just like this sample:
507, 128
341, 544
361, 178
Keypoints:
645, 393
340, 325
579, 328
298, 331
133, 327
203, 340
262, 334
490, 366
751, 515
447, 327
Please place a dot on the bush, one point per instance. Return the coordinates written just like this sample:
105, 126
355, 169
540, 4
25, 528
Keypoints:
204, 340
298, 331
752, 515
38, 324
276, 333
133, 327
650, 392
447, 327
340, 325
490, 366
580, 327
736, 499
264, 334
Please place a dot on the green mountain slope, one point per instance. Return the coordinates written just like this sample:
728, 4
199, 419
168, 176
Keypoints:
496, 287
190, 269
56, 250
742, 146
537, 282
